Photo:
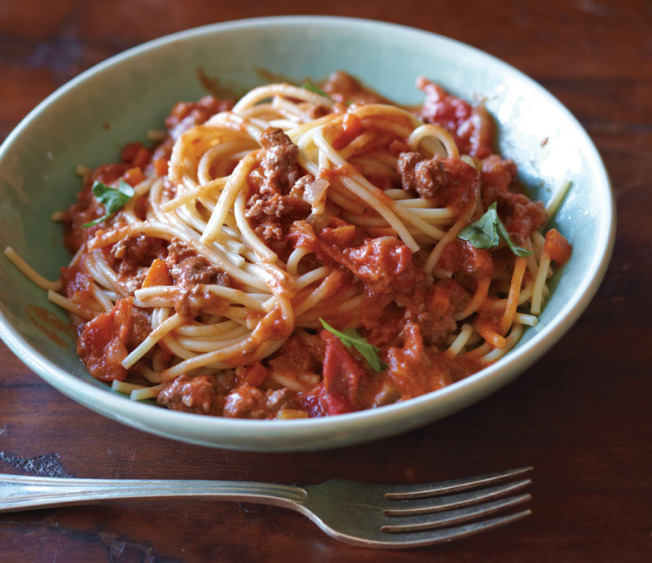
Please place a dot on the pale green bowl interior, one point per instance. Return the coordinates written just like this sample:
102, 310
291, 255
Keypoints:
88, 120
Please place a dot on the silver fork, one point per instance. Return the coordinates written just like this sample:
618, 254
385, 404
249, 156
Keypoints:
381, 516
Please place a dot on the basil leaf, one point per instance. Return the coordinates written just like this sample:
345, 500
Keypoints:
314, 89
112, 199
487, 231
483, 233
518, 250
353, 338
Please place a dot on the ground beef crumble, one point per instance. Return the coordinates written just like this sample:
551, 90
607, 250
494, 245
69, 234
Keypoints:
190, 272
421, 175
185, 115
280, 162
247, 401
197, 394
275, 200
132, 256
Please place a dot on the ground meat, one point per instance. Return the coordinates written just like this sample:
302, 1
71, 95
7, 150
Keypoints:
141, 327
190, 272
463, 184
451, 182
444, 299
188, 269
185, 115
131, 258
343, 88
247, 401
190, 301
275, 200
278, 400
521, 214
134, 251
272, 215
420, 175
280, 165
497, 175
274, 137
463, 259
298, 357
194, 270
198, 394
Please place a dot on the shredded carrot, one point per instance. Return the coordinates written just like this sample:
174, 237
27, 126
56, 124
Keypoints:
158, 274
490, 336
514, 291
134, 176
161, 167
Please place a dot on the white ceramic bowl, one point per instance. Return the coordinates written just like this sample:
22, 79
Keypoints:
87, 120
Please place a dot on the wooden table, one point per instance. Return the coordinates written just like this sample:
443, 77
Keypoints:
581, 416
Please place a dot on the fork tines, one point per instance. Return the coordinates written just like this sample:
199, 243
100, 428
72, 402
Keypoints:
415, 508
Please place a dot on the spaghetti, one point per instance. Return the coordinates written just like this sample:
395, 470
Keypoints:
303, 253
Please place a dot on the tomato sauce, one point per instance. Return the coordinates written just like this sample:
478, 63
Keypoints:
406, 315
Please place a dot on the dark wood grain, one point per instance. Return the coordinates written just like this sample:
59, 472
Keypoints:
581, 415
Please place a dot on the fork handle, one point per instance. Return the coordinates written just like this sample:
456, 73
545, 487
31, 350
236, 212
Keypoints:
20, 492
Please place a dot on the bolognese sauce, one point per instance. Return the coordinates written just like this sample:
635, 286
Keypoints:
305, 252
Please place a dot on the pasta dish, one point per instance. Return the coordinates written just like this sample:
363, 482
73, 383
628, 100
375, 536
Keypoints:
304, 252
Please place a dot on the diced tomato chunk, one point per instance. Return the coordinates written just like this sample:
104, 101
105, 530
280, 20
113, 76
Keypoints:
102, 344
77, 283
471, 127
342, 237
342, 374
557, 247
379, 262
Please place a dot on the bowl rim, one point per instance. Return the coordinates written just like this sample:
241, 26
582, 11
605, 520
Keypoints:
461, 393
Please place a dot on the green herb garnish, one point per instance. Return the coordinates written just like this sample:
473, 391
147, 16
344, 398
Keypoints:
314, 89
352, 337
487, 231
112, 199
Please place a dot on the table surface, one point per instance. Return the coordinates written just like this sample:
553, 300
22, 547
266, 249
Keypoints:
580, 416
